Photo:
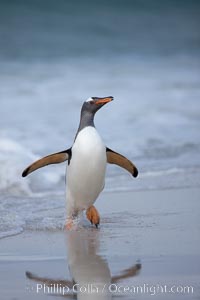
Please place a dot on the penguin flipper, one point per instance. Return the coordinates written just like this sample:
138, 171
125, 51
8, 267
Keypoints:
120, 160
54, 158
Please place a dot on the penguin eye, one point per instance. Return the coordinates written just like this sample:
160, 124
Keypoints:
92, 102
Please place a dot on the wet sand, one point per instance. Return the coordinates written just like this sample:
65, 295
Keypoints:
148, 245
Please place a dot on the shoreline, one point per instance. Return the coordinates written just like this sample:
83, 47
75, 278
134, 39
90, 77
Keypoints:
159, 230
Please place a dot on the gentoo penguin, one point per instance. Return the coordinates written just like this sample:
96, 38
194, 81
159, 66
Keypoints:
86, 168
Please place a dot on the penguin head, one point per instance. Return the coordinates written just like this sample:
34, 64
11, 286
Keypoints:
93, 104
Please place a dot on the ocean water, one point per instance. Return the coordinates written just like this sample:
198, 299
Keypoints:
54, 55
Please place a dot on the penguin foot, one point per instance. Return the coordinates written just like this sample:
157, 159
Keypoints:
93, 215
69, 224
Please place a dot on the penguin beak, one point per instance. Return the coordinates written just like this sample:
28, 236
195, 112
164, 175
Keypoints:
104, 100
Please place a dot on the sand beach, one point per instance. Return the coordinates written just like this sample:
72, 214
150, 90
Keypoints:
147, 246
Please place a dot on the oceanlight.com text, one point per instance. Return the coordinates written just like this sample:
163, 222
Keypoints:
115, 289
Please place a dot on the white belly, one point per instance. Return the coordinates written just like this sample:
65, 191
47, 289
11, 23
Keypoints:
86, 171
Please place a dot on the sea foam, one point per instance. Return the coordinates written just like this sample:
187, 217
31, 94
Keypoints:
13, 159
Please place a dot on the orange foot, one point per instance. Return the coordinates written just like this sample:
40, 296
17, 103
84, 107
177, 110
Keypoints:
69, 224
93, 215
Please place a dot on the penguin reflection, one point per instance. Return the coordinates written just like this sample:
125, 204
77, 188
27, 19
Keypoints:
90, 271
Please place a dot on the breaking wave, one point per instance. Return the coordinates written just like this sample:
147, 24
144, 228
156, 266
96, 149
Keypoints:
13, 159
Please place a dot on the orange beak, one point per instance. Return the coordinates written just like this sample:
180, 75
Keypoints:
104, 100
